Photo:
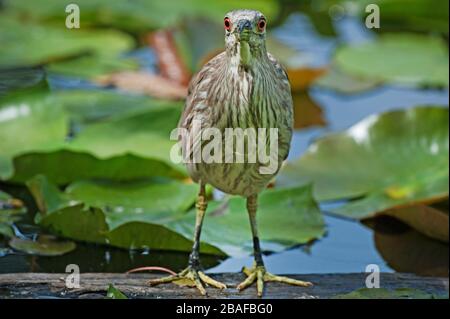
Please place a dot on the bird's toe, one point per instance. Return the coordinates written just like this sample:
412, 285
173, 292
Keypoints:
259, 275
190, 277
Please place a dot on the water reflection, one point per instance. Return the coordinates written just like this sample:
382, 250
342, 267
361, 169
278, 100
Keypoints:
347, 247
406, 250
95, 258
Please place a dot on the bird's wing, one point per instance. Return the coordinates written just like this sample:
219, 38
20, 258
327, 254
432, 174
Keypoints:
197, 104
195, 84
280, 70
287, 103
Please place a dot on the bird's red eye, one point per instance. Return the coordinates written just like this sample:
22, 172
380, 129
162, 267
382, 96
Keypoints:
262, 24
227, 24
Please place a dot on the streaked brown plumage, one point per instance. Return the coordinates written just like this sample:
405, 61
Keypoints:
228, 94
243, 87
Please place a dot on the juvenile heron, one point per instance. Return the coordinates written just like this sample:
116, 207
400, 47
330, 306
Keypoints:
243, 87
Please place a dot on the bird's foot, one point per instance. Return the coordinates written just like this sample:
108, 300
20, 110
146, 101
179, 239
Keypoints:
190, 277
260, 275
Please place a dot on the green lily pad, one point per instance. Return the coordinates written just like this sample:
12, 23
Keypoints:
382, 293
90, 106
406, 59
6, 230
414, 15
22, 78
114, 293
83, 165
152, 215
81, 53
345, 83
92, 212
43, 246
385, 161
137, 15
28, 44
92, 66
31, 123
11, 211
134, 143
144, 133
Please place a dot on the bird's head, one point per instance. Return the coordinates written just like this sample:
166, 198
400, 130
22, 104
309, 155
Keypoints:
245, 35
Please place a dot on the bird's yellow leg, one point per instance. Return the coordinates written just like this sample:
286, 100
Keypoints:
192, 276
258, 272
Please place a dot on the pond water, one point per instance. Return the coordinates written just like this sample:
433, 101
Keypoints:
349, 246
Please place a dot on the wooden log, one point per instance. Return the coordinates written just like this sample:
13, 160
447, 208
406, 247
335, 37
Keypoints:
94, 285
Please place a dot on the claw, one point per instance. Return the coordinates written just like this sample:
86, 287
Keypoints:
247, 282
287, 280
211, 282
199, 285
260, 275
260, 282
190, 277
154, 282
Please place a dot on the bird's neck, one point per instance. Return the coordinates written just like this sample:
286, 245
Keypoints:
244, 56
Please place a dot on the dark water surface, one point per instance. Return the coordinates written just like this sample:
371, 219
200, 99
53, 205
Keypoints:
348, 246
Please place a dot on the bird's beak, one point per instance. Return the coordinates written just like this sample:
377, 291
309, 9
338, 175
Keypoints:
244, 25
